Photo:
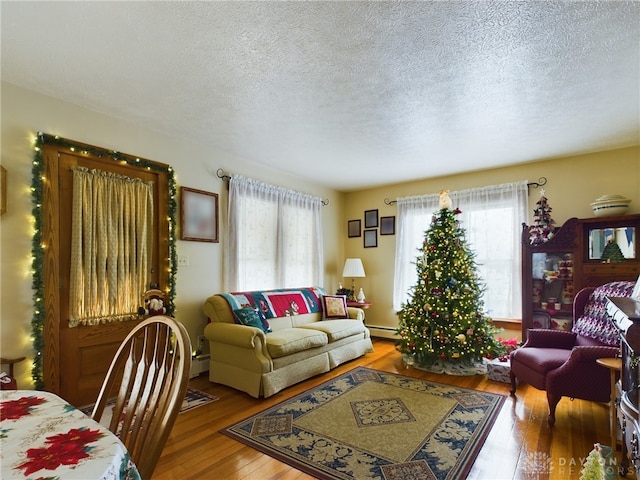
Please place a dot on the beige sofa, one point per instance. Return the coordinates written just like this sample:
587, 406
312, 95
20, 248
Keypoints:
302, 342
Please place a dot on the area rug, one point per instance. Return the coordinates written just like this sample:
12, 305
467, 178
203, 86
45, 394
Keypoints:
369, 424
192, 399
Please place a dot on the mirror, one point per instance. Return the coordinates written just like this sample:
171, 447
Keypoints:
621, 240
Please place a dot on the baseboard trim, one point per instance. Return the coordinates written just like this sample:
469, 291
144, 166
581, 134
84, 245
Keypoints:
383, 332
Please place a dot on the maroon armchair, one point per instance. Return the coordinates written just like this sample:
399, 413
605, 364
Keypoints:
564, 363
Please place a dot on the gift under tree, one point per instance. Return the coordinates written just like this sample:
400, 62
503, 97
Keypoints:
442, 327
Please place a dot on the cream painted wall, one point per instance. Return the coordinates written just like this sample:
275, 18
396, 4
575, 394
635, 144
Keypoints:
573, 183
25, 112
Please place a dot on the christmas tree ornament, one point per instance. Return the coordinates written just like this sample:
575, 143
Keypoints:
445, 200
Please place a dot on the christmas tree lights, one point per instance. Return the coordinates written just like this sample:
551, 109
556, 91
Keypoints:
443, 322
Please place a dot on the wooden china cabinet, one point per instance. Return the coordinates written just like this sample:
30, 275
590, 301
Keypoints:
574, 258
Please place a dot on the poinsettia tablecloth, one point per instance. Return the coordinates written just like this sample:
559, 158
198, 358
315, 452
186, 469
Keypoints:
42, 436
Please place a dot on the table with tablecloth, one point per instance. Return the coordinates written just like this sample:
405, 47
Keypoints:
42, 436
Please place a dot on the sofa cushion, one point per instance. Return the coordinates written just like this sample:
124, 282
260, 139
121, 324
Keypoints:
335, 306
248, 316
336, 329
291, 340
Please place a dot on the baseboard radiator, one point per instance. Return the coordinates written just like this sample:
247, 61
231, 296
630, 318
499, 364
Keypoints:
382, 331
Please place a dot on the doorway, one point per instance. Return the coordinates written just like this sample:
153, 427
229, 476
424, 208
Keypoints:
74, 360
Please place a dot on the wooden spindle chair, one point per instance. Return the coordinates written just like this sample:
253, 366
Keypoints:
148, 380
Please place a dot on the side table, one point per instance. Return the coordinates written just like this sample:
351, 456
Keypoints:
363, 305
614, 365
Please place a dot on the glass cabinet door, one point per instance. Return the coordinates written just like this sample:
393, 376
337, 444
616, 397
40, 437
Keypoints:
553, 290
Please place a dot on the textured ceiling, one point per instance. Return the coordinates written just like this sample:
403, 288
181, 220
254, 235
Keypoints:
346, 94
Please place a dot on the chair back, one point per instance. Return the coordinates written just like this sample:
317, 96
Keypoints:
147, 380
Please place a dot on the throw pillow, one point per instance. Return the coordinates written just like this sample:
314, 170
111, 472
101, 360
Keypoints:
263, 318
248, 316
335, 306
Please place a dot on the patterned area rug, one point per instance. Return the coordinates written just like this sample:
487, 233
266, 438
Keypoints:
369, 424
193, 398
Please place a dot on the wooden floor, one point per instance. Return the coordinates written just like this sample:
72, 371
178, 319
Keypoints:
520, 446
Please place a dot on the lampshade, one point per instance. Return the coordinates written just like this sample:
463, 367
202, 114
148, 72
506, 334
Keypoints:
353, 268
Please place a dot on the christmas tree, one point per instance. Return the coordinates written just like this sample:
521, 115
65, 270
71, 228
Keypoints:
600, 464
442, 327
612, 253
542, 229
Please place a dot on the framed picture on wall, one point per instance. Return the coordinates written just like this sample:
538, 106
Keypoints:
370, 238
388, 225
354, 228
198, 215
370, 218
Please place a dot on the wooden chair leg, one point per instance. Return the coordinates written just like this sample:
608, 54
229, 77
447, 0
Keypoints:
553, 403
513, 383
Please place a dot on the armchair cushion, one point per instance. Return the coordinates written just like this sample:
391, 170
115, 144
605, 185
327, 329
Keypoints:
541, 360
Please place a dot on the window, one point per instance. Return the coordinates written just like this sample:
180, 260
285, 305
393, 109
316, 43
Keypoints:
275, 237
492, 218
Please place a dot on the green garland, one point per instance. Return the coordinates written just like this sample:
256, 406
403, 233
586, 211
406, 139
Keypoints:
37, 193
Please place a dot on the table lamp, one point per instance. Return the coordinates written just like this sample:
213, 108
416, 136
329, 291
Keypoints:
353, 268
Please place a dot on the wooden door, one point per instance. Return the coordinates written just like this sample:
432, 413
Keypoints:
76, 359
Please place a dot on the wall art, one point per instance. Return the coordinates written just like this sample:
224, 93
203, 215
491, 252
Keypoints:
370, 238
388, 225
370, 218
198, 215
354, 228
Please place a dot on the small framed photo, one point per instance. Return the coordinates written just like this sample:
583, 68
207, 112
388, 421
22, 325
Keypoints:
388, 225
370, 238
198, 215
354, 228
370, 218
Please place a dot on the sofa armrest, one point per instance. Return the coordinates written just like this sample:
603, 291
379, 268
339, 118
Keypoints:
234, 334
546, 338
241, 346
356, 313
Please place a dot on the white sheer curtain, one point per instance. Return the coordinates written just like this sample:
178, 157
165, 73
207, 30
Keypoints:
274, 237
492, 218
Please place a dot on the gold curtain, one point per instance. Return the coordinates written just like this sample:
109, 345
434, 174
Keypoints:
111, 246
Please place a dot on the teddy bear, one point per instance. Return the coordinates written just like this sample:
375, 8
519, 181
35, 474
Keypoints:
153, 303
